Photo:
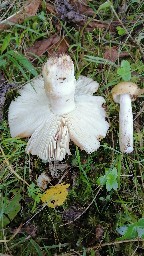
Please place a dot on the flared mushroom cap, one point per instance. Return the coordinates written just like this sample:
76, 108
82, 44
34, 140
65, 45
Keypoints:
125, 88
53, 114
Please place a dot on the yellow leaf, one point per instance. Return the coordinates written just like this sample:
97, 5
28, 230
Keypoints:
55, 195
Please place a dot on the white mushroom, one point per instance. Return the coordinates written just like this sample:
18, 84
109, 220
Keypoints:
55, 109
43, 180
123, 93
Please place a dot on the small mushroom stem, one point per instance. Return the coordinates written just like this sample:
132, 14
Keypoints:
125, 124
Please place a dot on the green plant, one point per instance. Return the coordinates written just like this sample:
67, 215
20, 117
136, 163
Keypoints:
125, 70
110, 179
10, 207
20, 62
35, 193
132, 231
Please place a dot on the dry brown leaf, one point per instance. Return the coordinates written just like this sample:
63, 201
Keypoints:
82, 7
72, 213
60, 47
112, 54
50, 8
99, 232
52, 44
42, 46
96, 24
28, 10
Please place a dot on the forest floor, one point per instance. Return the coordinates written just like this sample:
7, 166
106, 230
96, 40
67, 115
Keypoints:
103, 213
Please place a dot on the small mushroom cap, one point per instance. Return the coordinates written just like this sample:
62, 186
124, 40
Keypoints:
125, 88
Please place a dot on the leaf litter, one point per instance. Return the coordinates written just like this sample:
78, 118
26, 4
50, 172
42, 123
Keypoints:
4, 88
112, 53
51, 45
78, 13
28, 10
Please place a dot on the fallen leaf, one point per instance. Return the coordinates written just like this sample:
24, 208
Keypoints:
82, 7
67, 12
91, 25
72, 213
55, 195
99, 232
60, 47
112, 53
50, 8
41, 46
52, 44
28, 10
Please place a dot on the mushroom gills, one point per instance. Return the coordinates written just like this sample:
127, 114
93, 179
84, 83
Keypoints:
126, 124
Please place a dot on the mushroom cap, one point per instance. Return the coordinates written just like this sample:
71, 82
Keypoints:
125, 88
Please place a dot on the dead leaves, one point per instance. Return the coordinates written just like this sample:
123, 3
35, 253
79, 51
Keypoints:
28, 10
72, 213
4, 88
99, 232
82, 7
67, 12
80, 14
51, 45
112, 53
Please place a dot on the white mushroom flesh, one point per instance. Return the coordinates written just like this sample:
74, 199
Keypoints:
125, 124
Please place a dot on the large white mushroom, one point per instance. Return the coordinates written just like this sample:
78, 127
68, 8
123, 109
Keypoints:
55, 109
124, 93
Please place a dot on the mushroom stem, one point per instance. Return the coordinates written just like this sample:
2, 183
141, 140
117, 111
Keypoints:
63, 104
125, 124
60, 84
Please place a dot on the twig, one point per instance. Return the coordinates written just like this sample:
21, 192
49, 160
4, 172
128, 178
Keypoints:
114, 243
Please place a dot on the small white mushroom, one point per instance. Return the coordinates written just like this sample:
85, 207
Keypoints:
55, 109
123, 93
43, 180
